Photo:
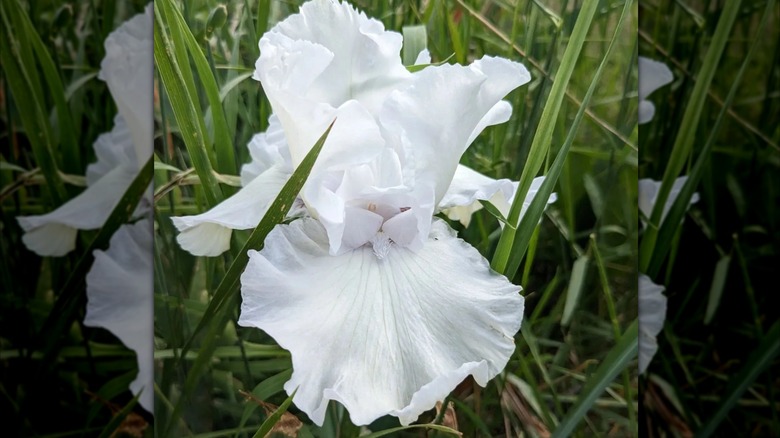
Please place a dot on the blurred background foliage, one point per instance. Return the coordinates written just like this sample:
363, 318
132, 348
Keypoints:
57, 377
579, 277
716, 369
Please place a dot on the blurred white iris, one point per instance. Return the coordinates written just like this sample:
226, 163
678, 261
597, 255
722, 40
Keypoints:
652, 314
652, 76
119, 283
383, 308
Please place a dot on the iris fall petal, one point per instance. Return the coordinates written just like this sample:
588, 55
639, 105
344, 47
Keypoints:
381, 336
120, 299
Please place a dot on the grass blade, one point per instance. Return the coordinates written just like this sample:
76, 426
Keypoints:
683, 143
716, 290
543, 138
184, 106
274, 418
576, 283
223, 143
616, 361
756, 364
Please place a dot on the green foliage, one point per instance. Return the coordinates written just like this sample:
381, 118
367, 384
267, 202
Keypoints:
58, 377
713, 371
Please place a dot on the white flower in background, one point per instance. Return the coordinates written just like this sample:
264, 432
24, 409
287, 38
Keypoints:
119, 283
652, 314
652, 76
648, 193
383, 308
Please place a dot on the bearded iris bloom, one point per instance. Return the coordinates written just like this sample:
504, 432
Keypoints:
382, 307
119, 283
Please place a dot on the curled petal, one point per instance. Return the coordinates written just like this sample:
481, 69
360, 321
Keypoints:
366, 62
463, 101
87, 211
120, 299
469, 187
648, 193
267, 149
127, 69
208, 234
379, 335
652, 314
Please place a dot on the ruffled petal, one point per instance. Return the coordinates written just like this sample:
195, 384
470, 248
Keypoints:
379, 335
267, 149
366, 62
463, 99
208, 234
87, 211
120, 299
127, 69
652, 314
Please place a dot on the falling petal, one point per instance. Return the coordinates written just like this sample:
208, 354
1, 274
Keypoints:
208, 234
120, 299
381, 336
87, 211
652, 314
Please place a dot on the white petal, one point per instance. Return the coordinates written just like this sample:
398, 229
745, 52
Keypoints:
128, 71
208, 234
87, 211
112, 149
469, 187
267, 149
652, 314
120, 299
648, 193
389, 336
646, 111
652, 76
51, 239
423, 58
366, 62
287, 69
443, 109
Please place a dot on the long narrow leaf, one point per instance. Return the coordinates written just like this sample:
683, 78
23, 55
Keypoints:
616, 361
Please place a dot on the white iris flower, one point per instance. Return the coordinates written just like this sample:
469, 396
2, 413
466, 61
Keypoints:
383, 308
652, 76
652, 314
119, 284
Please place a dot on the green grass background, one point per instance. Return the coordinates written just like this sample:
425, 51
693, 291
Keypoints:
57, 377
718, 373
